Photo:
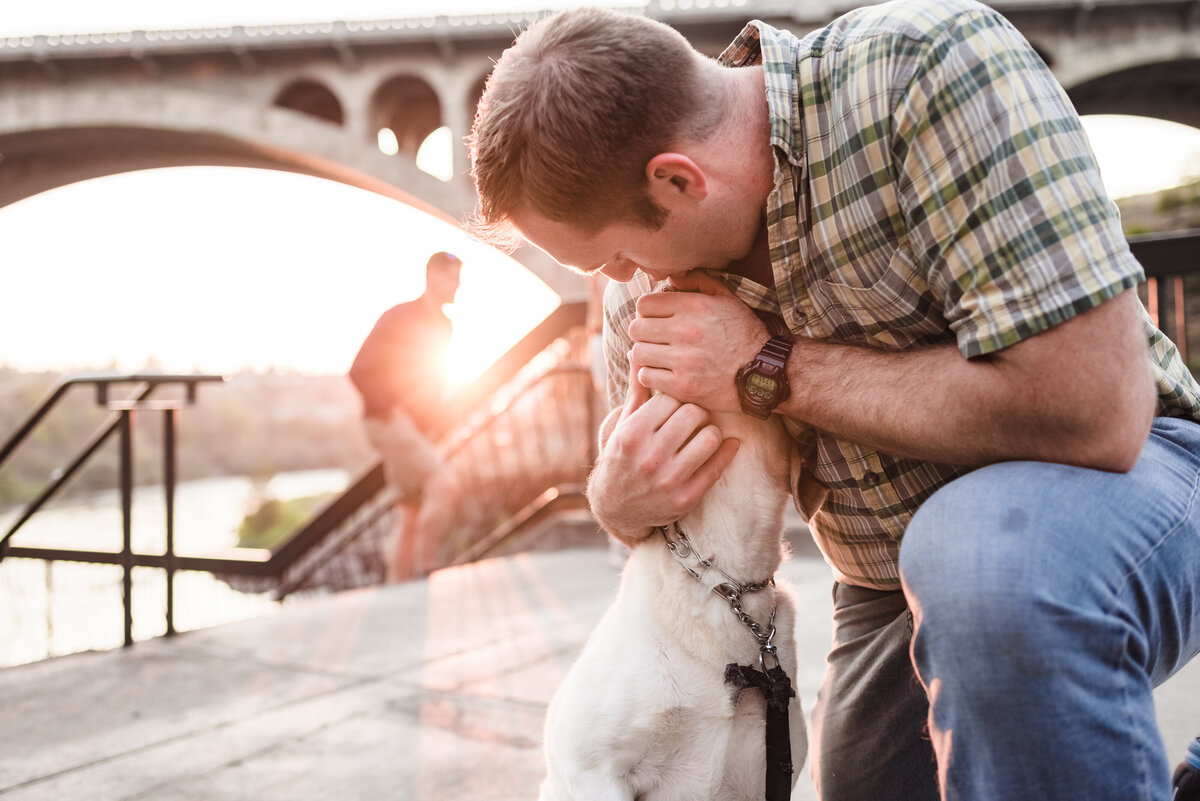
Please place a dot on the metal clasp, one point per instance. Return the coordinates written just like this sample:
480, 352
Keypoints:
764, 652
730, 592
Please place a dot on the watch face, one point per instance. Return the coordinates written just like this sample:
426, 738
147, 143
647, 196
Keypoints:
761, 388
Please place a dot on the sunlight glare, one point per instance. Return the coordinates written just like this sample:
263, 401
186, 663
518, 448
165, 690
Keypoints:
1138, 155
435, 156
221, 268
389, 145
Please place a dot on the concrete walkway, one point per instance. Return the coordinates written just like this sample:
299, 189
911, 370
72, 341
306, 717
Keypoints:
433, 690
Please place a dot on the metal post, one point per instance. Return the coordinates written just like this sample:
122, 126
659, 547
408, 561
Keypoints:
1152, 300
1164, 306
169, 490
1180, 338
49, 606
126, 468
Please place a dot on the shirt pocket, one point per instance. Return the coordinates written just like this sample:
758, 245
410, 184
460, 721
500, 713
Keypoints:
895, 312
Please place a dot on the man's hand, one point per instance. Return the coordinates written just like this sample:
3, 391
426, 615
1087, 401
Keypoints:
691, 343
660, 459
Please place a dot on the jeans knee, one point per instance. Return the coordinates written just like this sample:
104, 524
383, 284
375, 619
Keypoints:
979, 541
997, 585
940, 552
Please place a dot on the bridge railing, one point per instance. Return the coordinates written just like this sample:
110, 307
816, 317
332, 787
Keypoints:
1172, 290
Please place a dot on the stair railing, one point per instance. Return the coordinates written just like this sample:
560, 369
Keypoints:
119, 423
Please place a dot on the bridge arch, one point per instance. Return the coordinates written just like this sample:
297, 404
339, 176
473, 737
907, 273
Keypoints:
83, 137
311, 97
408, 106
1166, 90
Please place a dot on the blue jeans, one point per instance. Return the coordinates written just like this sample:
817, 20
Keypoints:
1047, 603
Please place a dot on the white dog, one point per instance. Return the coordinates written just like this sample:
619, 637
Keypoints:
646, 713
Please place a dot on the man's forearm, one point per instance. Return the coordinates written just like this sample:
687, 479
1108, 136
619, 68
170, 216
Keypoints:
1078, 394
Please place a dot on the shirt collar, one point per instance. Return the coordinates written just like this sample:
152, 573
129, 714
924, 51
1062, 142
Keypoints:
777, 51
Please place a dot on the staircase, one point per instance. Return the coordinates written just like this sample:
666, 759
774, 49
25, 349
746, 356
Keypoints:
521, 447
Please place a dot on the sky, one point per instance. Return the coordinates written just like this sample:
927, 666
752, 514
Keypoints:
219, 269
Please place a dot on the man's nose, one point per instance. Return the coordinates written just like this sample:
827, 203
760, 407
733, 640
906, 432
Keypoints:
621, 270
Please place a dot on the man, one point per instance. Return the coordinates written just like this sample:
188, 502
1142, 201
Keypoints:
1002, 449
400, 374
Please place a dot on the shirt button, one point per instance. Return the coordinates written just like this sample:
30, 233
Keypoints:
799, 318
871, 479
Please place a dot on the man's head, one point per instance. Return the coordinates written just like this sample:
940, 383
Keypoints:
573, 113
442, 276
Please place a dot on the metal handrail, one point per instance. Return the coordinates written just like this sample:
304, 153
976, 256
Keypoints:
1166, 258
121, 422
246, 562
547, 500
146, 383
1167, 252
102, 382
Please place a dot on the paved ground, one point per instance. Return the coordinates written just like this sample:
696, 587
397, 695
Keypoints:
429, 691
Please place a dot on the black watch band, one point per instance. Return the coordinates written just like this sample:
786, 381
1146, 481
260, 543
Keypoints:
776, 351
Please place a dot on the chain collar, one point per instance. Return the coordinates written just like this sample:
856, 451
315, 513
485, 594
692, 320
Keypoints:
731, 589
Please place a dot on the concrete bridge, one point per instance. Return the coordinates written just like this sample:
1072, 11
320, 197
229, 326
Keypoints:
312, 98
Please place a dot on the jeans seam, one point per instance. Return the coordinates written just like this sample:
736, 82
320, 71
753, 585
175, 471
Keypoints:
1119, 591
1122, 650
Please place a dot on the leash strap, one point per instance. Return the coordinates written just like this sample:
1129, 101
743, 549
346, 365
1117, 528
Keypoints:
776, 689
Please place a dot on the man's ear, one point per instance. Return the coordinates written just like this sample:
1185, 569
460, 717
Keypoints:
673, 177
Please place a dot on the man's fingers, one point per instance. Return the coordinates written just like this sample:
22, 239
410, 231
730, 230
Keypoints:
651, 329
655, 378
636, 394
709, 469
651, 355
686, 424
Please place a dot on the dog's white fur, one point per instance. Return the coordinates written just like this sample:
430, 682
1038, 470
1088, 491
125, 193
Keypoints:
645, 712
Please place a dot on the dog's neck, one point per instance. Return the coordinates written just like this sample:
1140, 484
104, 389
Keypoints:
737, 524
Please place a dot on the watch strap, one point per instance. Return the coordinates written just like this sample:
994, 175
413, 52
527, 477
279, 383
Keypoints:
776, 351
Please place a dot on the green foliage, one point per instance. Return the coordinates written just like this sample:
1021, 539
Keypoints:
1175, 199
274, 521
1168, 210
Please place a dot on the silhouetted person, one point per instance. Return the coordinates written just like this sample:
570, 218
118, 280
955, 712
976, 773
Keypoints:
400, 375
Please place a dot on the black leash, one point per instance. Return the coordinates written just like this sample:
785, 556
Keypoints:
776, 689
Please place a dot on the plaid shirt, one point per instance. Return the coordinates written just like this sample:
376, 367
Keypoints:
932, 184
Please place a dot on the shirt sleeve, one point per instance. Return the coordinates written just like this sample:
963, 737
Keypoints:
1002, 196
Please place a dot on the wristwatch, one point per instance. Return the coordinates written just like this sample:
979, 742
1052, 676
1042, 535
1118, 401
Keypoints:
763, 383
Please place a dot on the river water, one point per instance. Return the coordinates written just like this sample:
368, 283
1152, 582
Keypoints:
49, 609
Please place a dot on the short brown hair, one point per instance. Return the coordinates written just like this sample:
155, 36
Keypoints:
572, 113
